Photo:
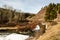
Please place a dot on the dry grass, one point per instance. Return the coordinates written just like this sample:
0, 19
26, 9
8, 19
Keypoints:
51, 34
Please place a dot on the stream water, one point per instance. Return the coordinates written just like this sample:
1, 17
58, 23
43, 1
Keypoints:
14, 36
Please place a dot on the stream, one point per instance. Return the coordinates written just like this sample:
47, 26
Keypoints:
14, 36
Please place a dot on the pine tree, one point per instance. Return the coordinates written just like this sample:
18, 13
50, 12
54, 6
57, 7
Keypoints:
51, 13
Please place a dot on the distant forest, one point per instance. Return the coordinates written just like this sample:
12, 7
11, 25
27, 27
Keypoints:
8, 15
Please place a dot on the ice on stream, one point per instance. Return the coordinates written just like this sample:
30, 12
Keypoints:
13, 36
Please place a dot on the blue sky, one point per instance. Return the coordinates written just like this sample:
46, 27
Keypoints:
32, 6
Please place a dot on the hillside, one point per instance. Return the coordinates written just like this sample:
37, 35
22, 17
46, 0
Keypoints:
52, 34
52, 14
39, 15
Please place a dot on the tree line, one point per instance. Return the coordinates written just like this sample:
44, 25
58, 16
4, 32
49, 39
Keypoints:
52, 11
10, 15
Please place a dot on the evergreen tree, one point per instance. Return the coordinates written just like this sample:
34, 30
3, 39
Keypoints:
51, 13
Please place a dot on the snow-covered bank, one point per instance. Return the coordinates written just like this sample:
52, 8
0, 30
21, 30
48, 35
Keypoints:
14, 36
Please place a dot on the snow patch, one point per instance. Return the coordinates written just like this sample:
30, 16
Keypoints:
37, 27
16, 37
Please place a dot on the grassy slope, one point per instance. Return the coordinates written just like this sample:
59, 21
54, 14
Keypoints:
51, 34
